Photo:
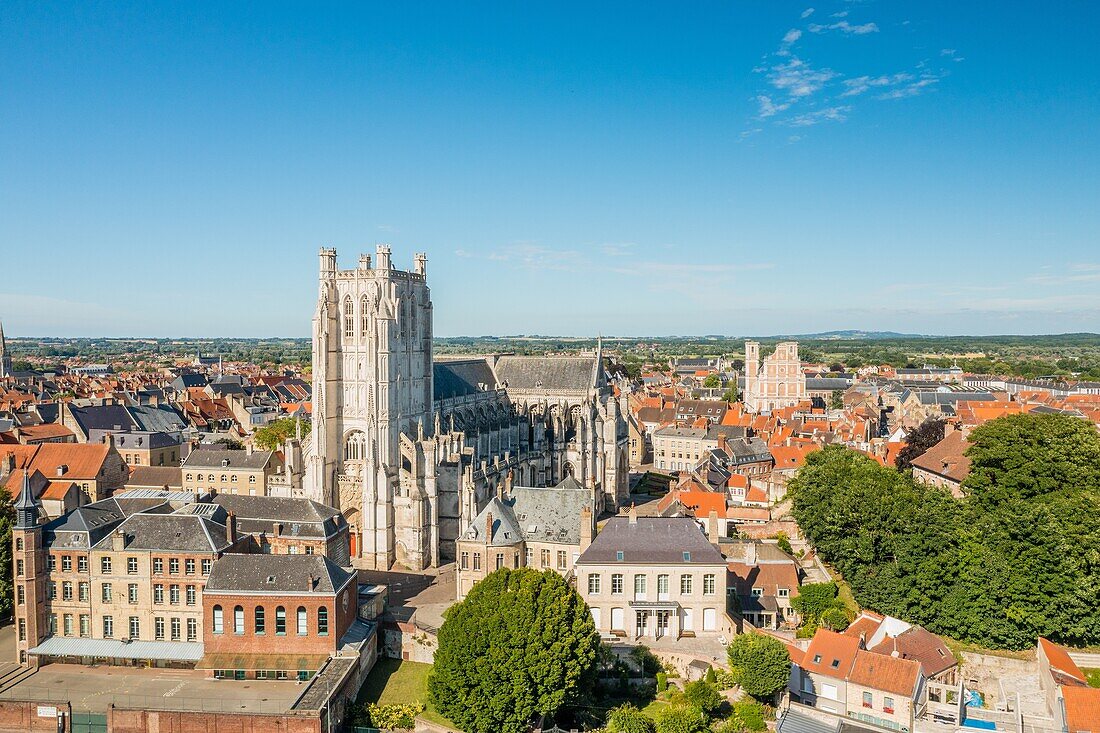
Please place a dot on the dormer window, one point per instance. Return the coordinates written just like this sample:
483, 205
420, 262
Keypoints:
817, 659
835, 664
619, 555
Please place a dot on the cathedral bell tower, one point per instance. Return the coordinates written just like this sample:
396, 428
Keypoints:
29, 573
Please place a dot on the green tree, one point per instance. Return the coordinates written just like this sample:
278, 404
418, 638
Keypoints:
703, 697
761, 664
836, 400
835, 618
521, 645
681, 719
814, 599
628, 719
7, 520
274, 434
712, 381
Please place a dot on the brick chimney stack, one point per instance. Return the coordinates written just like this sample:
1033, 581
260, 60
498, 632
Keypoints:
633, 514
231, 528
586, 527
712, 526
488, 528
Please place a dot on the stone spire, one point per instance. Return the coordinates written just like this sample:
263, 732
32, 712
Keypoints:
26, 506
5, 357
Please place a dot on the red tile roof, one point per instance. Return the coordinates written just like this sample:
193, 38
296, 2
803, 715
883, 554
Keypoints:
830, 654
886, 673
1061, 663
1082, 708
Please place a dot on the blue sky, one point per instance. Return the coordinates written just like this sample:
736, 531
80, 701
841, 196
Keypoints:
738, 168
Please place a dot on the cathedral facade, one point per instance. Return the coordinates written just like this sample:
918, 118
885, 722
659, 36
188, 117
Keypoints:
411, 449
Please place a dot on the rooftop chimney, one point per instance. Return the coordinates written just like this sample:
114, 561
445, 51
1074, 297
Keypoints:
633, 514
277, 528
231, 528
586, 527
488, 528
750, 553
712, 526
118, 541
61, 469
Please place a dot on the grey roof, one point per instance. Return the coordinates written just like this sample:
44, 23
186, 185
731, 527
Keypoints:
185, 381
59, 646
794, 721
675, 432
213, 457
102, 417
827, 383
158, 418
702, 408
747, 450
657, 540
550, 514
461, 377
950, 398
505, 529
174, 532
286, 574
299, 517
547, 372
86, 525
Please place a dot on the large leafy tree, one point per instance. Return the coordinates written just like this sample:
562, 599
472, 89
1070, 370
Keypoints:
760, 664
917, 443
7, 520
1018, 557
521, 645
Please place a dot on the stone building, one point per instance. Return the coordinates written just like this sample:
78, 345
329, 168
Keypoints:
541, 528
775, 383
228, 471
654, 577
5, 358
411, 449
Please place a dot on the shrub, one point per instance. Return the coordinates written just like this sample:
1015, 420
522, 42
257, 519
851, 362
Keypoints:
835, 619
749, 715
784, 543
395, 717
712, 676
628, 719
662, 682
646, 659
680, 719
806, 631
725, 679
703, 697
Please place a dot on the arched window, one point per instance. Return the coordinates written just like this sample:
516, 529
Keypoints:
322, 620
364, 317
280, 621
210, 477
259, 619
217, 621
355, 446
238, 620
303, 628
349, 318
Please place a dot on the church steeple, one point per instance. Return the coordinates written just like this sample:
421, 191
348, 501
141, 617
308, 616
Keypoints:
26, 506
5, 357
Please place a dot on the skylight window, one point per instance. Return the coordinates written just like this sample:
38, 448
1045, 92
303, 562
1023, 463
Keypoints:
619, 555
687, 556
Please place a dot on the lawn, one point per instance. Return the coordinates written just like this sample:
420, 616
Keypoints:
1093, 676
393, 681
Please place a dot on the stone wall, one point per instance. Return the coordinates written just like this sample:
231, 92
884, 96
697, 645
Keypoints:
408, 642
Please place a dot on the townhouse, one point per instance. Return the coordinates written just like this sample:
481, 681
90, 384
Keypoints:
654, 577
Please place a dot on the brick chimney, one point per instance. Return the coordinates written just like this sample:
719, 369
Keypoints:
118, 540
231, 528
586, 527
277, 527
721, 441
633, 514
712, 526
488, 528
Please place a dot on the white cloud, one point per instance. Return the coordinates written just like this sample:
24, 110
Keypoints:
807, 13
845, 27
768, 108
861, 84
911, 90
799, 79
829, 114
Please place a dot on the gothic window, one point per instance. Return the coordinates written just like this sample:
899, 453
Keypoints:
349, 318
355, 446
364, 311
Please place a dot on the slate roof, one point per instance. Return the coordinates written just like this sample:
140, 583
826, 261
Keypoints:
158, 418
505, 529
299, 517
172, 532
656, 540
461, 377
277, 574
551, 514
950, 398
818, 384
86, 525
213, 457
102, 417
576, 373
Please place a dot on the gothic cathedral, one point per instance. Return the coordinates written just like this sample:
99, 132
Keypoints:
410, 449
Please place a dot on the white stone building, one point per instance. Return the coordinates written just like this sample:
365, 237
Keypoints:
776, 383
410, 449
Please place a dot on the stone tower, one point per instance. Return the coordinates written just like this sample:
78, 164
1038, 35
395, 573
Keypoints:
29, 577
5, 357
372, 404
